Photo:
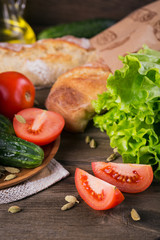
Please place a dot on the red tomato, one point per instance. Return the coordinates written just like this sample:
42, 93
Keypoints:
97, 193
131, 178
41, 127
16, 93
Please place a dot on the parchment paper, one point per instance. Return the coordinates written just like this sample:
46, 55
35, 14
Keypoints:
140, 27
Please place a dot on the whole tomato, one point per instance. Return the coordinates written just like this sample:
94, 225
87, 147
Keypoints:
16, 93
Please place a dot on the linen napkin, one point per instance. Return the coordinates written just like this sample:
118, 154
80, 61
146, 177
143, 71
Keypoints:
51, 174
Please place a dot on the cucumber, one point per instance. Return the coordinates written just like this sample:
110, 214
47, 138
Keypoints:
86, 29
6, 125
16, 152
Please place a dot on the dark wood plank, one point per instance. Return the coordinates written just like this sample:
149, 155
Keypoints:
41, 217
41, 14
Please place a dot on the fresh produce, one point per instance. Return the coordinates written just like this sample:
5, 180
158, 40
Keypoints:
132, 102
97, 193
131, 178
16, 152
6, 125
39, 126
86, 28
16, 93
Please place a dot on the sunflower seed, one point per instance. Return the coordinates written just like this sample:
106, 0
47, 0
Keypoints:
135, 216
10, 177
12, 169
67, 206
14, 209
70, 198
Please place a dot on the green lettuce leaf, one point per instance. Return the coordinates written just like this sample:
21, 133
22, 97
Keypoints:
129, 110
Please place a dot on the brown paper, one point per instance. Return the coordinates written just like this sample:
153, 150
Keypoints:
129, 35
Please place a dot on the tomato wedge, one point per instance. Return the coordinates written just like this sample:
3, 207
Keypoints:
131, 178
97, 193
41, 126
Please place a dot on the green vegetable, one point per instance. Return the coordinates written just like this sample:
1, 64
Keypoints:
132, 120
86, 28
17, 152
6, 125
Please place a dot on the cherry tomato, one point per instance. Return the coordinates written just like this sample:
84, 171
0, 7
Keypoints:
16, 93
97, 193
131, 178
41, 126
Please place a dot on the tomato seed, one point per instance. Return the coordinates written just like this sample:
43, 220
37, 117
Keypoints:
129, 180
122, 178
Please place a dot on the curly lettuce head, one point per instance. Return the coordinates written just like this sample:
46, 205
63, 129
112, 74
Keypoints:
132, 109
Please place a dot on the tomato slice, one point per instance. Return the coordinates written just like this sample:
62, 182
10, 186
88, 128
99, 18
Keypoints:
131, 178
41, 127
97, 193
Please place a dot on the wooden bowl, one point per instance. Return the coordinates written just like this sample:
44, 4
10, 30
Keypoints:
49, 152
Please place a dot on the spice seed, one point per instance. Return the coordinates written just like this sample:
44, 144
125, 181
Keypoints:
115, 150
20, 118
10, 177
135, 216
87, 139
12, 169
67, 206
14, 209
92, 143
111, 157
70, 198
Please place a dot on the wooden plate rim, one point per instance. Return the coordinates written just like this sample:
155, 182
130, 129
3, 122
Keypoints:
31, 172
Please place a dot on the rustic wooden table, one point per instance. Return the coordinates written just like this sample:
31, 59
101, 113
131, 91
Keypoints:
41, 217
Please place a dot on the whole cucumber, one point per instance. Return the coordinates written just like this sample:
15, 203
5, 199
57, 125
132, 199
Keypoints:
86, 29
16, 152
6, 125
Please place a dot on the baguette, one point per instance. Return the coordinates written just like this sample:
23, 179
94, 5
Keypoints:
72, 93
45, 60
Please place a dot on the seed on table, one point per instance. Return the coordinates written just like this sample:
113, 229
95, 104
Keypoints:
134, 214
92, 143
70, 198
67, 206
87, 139
111, 157
14, 209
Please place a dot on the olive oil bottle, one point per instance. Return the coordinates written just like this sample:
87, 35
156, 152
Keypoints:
13, 27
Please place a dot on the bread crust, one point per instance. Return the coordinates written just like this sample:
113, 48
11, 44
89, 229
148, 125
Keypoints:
45, 60
73, 92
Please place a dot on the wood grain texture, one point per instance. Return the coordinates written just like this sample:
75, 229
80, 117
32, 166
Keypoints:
41, 14
41, 216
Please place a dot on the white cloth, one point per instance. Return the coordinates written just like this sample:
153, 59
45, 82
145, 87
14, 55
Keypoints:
51, 174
